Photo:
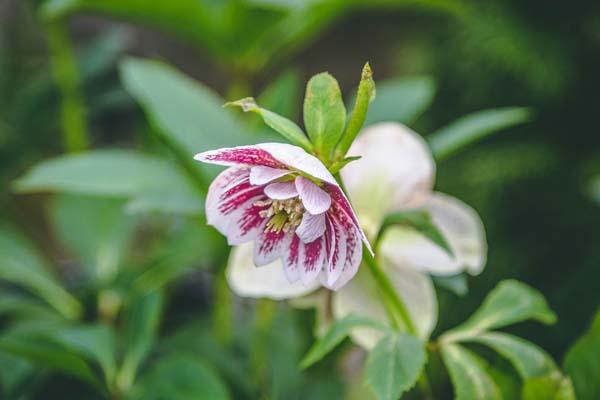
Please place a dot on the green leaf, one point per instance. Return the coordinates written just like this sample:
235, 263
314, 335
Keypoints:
180, 377
468, 374
21, 264
288, 129
324, 113
142, 320
394, 365
582, 362
334, 336
112, 173
49, 355
553, 386
420, 221
468, 129
528, 359
187, 113
508, 303
402, 100
93, 342
96, 230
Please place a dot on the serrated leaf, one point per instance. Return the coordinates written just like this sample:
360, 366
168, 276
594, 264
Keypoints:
508, 303
285, 127
336, 333
324, 113
553, 386
468, 129
22, 264
420, 221
528, 359
582, 362
468, 374
394, 365
402, 100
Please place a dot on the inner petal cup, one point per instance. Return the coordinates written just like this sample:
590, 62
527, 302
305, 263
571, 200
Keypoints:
315, 199
281, 190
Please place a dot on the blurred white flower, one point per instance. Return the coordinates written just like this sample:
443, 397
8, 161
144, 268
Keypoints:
396, 173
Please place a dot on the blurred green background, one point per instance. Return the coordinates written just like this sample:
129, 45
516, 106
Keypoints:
67, 85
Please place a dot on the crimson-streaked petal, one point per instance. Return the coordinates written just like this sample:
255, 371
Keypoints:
246, 223
260, 175
311, 227
335, 244
310, 260
298, 159
290, 260
281, 190
353, 258
460, 225
314, 199
231, 177
240, 156
247, 280
269, 246
396, 172
341, 207
361, 297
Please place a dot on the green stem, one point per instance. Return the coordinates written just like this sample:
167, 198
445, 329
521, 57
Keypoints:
65, 70
389, 291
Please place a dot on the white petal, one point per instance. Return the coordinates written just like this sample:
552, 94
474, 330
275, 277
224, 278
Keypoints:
460, 225
396, 172
311, 227
310, 261
335, 239
314, 199
281, 190
247, 280
361, 296
296, 158
261, 175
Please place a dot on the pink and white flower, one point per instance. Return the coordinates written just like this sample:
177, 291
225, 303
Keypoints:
286, 202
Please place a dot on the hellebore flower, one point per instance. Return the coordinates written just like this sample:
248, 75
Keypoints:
396, 172
286, 202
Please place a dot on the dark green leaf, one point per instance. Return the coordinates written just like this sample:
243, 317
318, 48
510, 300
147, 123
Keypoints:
180, 377
142, 319
582, 362
21, 264
336, 333
288, 129
527, 358
468, 374
402, 100
421, 222
473, 127
394, 365
96, 230
552, 386
324, 113
93, 342
508, 303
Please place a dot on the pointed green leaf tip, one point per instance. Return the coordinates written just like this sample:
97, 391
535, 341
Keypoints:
324, 114
285, 127
364, 95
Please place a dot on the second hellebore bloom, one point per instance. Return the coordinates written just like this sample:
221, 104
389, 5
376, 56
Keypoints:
289, 204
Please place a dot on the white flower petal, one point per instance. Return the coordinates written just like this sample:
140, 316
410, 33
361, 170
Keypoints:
261, 175
361, 296
311, 227
314, 199
298, 159
281, 190
247, 280
396, 172
310, 260
460, 225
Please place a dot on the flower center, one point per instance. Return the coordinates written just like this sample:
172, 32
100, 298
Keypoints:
283, 214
